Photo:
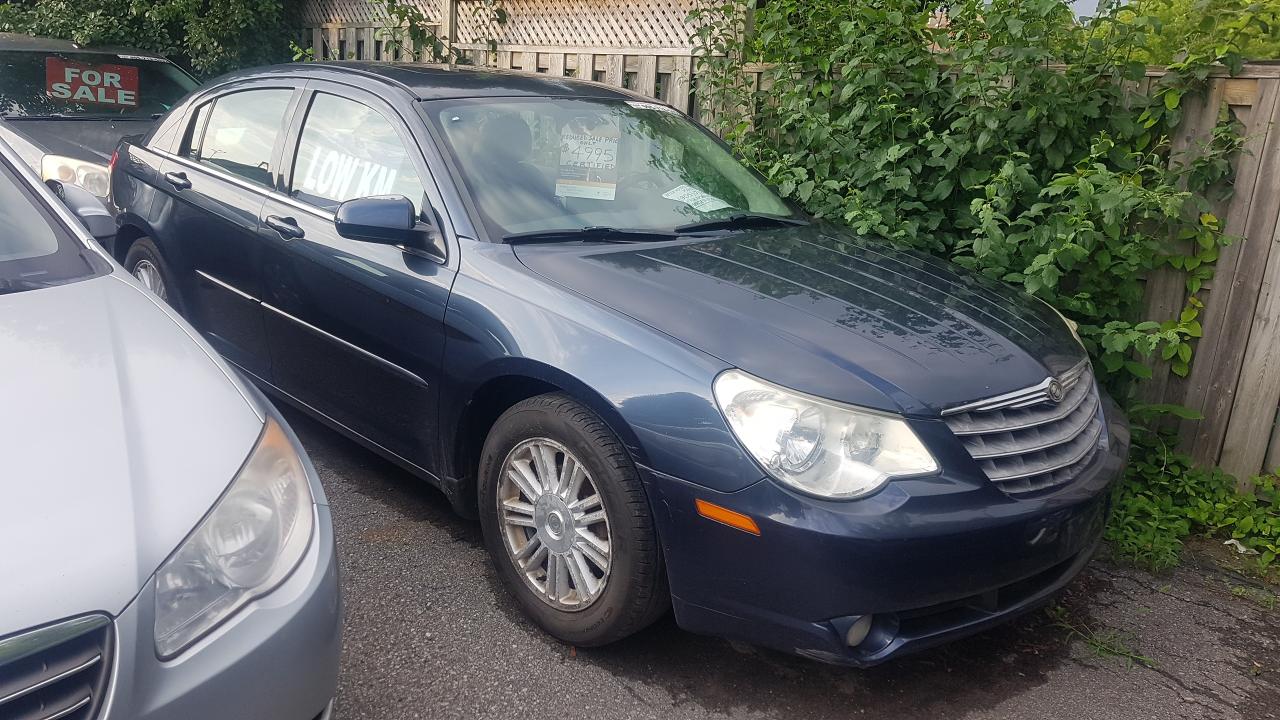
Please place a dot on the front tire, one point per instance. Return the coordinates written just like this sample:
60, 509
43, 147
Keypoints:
567, 523
145, 263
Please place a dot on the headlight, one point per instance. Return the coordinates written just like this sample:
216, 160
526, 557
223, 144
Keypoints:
87, 175
817, 446
250, 541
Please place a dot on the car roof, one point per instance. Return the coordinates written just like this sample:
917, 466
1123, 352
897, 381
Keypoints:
438, 82
28, 43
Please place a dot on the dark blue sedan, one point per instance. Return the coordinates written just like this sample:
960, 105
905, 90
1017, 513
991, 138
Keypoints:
655, 383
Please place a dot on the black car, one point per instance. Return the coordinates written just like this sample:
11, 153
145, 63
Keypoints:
64, 108
572, 310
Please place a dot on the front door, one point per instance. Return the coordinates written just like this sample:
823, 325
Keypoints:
220, 182
356, 329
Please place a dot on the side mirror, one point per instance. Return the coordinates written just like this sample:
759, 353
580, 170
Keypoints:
87, 208
388, 220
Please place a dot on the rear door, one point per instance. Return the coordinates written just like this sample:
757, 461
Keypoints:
219, 180
356, 329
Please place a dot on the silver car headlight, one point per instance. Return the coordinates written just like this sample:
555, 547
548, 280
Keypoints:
90, 176
818, 446
250, 542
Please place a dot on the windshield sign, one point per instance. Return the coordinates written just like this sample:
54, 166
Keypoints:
103, 84
53, 84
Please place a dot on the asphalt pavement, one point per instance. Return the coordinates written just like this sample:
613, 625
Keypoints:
430, 633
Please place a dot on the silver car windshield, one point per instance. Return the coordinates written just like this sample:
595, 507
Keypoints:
34, 251
543, 164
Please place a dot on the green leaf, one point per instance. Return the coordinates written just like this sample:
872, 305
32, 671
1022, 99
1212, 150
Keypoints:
1137, 369
1172, 98
1244, 525
805, 190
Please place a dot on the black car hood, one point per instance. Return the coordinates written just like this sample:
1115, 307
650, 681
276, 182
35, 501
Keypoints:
827, 314
90, 139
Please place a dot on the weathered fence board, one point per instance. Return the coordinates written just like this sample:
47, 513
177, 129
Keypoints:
1215, 372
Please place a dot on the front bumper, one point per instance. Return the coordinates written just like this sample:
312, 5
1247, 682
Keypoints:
932, 559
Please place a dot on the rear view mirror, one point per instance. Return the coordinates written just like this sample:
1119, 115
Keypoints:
385, 219
87, 208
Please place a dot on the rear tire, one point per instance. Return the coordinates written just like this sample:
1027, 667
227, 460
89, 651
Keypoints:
145, 263
593, 509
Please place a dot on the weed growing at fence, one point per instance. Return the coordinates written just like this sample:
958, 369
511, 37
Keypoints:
1164, 500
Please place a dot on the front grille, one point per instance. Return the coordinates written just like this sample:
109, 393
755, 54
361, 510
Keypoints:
57, 672
1025, 441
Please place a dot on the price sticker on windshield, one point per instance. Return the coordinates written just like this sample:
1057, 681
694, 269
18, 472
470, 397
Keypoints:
589, 159
695, 198
106, 84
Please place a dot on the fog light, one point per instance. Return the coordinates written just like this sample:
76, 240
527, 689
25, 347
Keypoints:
858, 631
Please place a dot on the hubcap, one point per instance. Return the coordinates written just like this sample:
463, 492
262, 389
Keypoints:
554, 524
149, 275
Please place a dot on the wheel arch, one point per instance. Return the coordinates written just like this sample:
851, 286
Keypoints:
126, 236
129, 228
507, 383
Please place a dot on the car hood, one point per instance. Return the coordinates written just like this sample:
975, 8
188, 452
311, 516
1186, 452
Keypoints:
119, 432
827, 314
90, 140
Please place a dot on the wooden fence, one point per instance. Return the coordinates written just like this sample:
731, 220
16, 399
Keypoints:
663, 73
1235, 374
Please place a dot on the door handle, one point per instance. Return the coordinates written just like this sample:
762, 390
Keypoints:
178, 180
287, 227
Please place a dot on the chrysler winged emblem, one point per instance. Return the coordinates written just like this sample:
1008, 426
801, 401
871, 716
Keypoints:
1056, 391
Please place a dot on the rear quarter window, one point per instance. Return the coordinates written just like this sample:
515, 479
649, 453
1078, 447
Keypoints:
241, 132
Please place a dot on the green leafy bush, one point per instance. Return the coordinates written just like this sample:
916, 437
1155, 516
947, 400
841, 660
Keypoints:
978, 143
1252, 26
210, 36
1164, 499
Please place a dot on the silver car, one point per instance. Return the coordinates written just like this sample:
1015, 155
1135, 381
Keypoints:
166, 549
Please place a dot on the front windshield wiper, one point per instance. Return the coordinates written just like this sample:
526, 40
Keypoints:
741, 221
599, 233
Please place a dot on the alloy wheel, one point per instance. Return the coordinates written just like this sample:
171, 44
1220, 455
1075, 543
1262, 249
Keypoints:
554, 523
149, 275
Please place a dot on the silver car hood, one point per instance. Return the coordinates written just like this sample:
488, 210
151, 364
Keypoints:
118, 431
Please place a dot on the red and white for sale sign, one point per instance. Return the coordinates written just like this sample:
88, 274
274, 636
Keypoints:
98, 84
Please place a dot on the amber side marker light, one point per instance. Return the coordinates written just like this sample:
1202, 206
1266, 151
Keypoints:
725, 516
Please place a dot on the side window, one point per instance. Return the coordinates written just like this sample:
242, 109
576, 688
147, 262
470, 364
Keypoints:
195, 131
349, 150
241, 132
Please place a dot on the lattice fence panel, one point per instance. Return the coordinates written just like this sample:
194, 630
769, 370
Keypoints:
583, 23
354, 12
551, 23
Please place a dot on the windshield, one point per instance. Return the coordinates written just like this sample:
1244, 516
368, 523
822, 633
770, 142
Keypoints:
34, 251
554, 163
57, 84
